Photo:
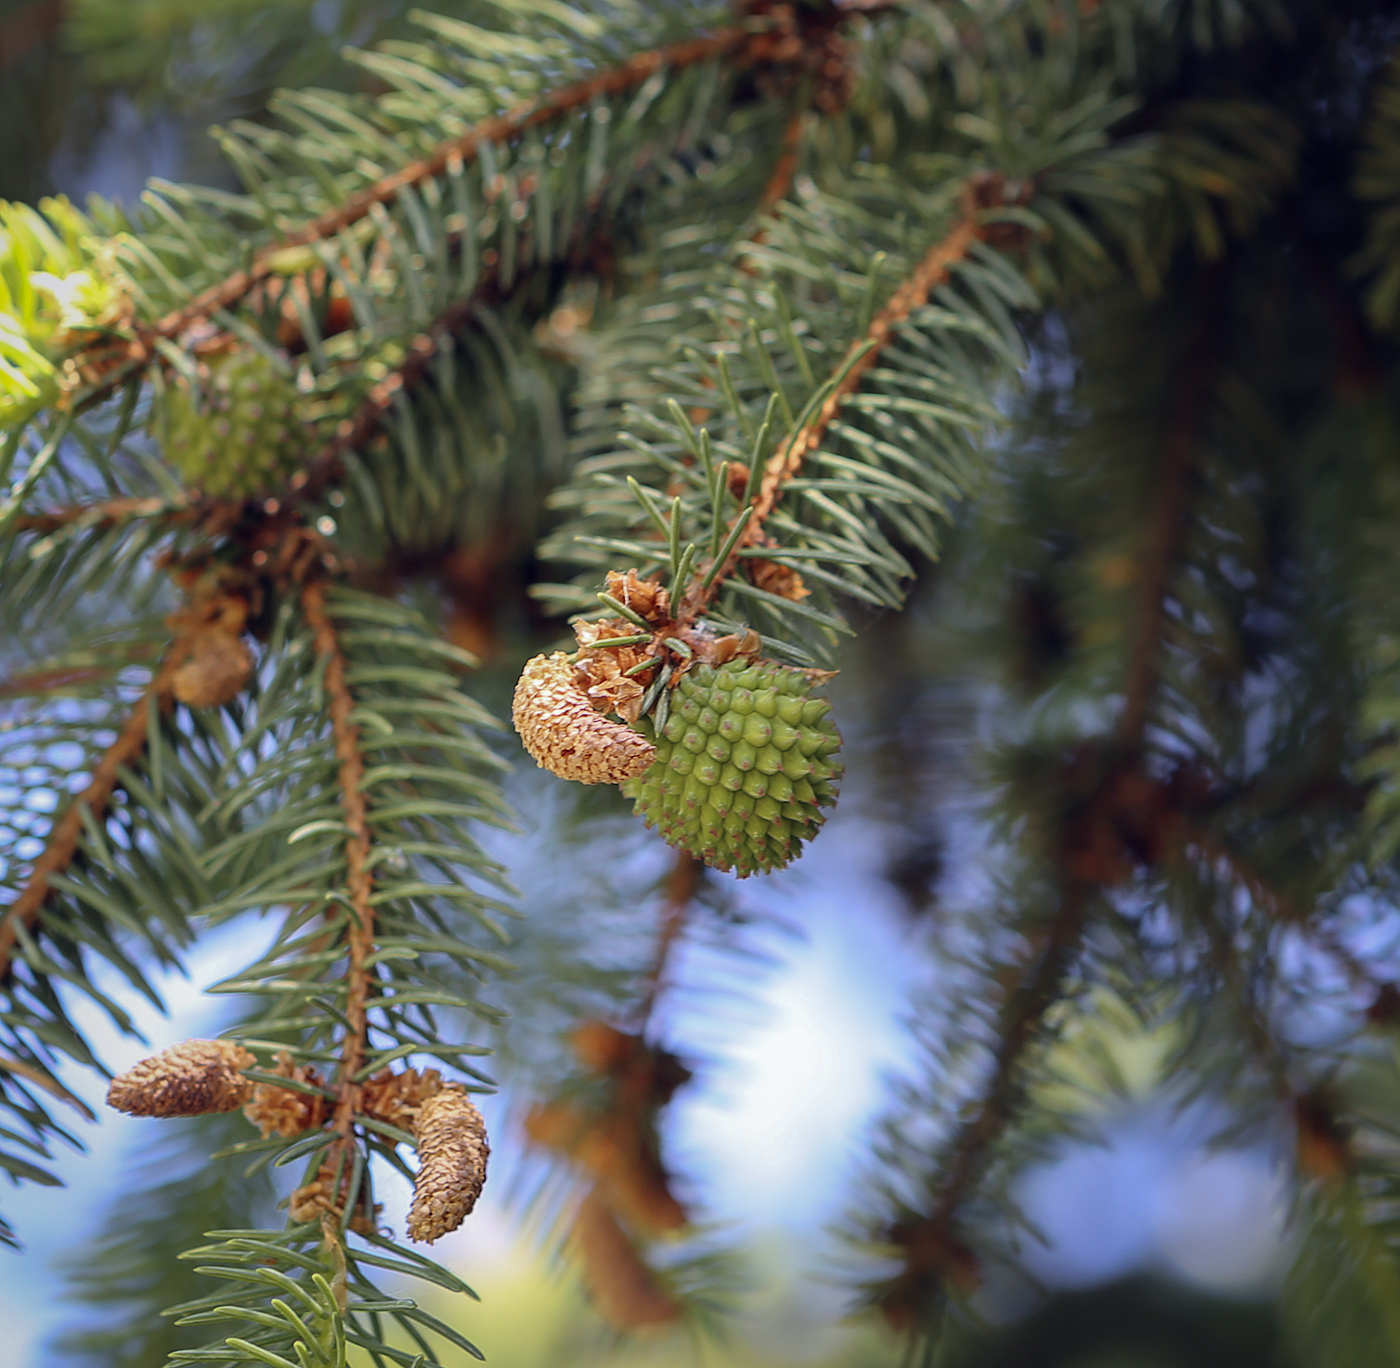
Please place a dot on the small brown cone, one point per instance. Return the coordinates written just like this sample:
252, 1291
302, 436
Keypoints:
218, 670
565, 735
452, 1155
191, 1079
626, 1292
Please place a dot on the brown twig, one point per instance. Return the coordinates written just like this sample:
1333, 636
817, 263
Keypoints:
1169, 529
628, 75
682, 884
359, 880
784, 169
47, 681
103, 514
62, 843
355, 431
27, 28
785, 464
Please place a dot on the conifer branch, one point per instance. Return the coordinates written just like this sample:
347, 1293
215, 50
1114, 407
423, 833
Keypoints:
49, 1085
682, 884
786, 464
465, 148
1282, 907
101, 514
1169, 527
359, 880
62, 843
931, 1242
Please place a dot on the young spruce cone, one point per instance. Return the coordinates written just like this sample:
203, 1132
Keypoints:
189, 1079
452, 1155
239, 434
563, 732
744, 765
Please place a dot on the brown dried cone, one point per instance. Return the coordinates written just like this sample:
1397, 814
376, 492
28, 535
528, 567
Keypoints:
218, 670
625, 1290
190, 1079
565, 735
452, 1155
285, 1111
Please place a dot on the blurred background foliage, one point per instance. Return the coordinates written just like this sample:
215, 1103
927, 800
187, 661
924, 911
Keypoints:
99, 94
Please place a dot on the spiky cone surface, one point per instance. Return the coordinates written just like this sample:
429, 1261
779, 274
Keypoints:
193, 1078
238, 434
565, 733
744, 765
452, 1155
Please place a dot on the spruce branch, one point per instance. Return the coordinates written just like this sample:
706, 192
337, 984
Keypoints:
62, 842
1093, 854
1169, 526
778, 37
359, 879
980, 193
100, 514
932, 1245
682, 884
627, 76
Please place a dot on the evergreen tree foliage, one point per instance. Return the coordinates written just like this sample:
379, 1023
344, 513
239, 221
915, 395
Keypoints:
720, 327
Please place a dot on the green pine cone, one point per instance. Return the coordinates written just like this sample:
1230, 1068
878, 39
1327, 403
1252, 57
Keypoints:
744, 766
238, 435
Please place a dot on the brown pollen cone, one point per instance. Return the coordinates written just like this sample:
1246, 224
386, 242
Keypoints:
564, 734
193, 1078
452, 1156
626, 1292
